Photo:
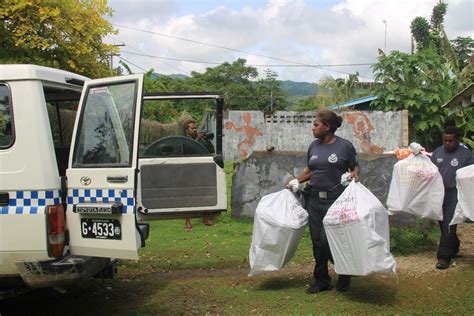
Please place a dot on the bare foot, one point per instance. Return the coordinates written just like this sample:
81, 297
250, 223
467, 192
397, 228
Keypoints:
206, 221
187, 225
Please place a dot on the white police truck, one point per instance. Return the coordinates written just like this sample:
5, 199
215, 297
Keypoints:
82, 171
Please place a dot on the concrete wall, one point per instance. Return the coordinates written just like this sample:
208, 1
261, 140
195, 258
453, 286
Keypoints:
267, 172
369, 131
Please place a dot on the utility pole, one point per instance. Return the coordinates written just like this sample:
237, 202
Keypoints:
271, 101
385, 38
112, 56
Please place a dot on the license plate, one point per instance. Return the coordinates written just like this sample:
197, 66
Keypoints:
101, 228
98, 208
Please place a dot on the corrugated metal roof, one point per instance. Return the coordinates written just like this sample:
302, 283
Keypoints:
462, 99
352, 102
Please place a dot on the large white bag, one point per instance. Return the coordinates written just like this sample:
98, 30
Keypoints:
416, 188
358, 233
278, 226
465, 185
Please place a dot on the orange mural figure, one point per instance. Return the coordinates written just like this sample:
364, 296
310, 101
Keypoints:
361, 129
251, 132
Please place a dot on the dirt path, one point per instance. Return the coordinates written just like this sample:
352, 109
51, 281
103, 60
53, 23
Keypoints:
194, 291
417, 265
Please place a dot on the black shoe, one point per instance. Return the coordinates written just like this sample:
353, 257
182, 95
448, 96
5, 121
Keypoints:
343, 283
443, 264
316, 288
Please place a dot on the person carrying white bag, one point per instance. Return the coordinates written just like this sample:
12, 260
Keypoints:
465, 186
357, 229
416, 186
328, 158
278, 226
450, 157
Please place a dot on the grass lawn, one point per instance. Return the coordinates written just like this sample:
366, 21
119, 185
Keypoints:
205, 272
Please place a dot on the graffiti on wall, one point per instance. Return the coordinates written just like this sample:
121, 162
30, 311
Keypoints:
362, 127
250, 132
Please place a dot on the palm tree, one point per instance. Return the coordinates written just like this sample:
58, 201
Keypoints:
331, 91
336, 90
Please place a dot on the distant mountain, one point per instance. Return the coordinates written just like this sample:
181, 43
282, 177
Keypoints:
174, 76
293, 88
299, 89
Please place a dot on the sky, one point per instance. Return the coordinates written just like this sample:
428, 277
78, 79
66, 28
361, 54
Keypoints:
301, 40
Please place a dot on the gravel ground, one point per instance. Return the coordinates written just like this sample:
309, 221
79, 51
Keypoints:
419, 264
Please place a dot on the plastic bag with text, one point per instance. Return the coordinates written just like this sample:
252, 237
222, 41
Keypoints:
358, 233
278, 226
416, 188
465, 185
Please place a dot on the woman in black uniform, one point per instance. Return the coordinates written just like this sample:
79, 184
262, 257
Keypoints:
329, 157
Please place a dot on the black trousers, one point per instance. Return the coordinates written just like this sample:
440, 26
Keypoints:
317, 209
448, 242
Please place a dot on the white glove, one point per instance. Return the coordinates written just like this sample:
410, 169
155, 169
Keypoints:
346, 178
294, 185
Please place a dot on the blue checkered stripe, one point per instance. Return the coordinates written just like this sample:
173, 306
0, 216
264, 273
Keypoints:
30, 202
76, 196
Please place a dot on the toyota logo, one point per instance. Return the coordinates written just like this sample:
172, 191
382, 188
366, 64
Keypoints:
85, 180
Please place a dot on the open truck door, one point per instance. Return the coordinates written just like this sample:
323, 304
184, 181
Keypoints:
129, 166
101, 178
181, 175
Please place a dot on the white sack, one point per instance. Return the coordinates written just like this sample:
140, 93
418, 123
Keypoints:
416, 188
278, 226
358, 233
465, 185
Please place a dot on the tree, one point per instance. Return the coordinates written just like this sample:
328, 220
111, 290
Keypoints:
271, 97
232, 79
236, 81
64, 34
419, 83
420, 30
432, 36
423, 82
464, 48
437, 16
332, 91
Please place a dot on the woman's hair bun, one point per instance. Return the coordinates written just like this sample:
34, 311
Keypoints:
339, 121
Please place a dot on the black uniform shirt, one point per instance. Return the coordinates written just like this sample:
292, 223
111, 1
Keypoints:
327, 163
449, 162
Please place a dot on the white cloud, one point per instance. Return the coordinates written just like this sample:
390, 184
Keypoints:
307, 32
126, 11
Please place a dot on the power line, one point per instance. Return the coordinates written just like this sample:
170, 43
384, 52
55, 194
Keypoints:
207, 44
312, 66
254, 65
175, 59
132, 64
226, 48
172, 66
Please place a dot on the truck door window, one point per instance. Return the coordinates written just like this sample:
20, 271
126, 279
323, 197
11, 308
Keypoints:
6, 119
61, 118
105, 130
61, 104
164, 128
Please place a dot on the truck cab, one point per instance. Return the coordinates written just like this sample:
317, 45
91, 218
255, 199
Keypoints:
85, 164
